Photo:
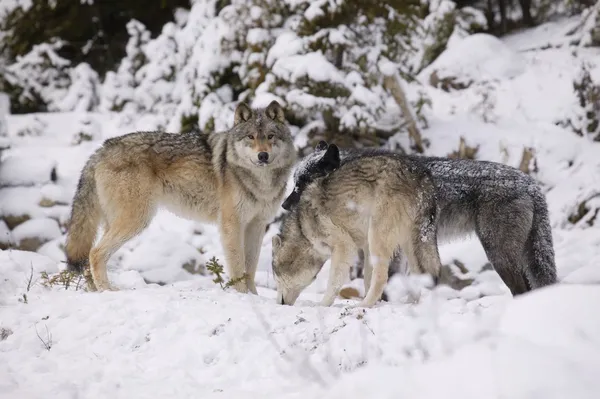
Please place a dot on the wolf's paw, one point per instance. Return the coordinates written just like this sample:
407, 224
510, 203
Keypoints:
240, 287
327, 301
364, 304
106, 287
252, 288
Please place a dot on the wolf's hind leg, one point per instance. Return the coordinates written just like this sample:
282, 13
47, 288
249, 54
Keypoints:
128, 206
503, 231
382, 243
119, 231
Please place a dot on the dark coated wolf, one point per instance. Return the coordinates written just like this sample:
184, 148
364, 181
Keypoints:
503, 206
235, 179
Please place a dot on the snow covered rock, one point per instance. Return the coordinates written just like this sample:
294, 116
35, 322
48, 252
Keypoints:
30, 235
25, 170
5, 236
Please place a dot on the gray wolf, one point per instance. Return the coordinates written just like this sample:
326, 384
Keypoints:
235, 179
378, 202
503, 206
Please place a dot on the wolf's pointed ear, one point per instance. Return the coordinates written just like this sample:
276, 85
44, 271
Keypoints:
321, 145
331, 159
276, 241
242, 113
275, 112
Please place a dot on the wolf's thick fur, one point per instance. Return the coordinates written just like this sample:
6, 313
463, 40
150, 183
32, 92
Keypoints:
235, 179
502, 205
377, 203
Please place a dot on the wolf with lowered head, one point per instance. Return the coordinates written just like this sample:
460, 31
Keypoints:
378, 203
503, 206
235, 179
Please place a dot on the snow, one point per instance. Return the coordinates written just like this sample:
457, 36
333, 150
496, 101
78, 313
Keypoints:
172, 333
20, 170
313, 65
43, 228
479, 56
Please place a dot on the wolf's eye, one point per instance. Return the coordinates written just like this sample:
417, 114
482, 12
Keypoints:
270, 136
251, 137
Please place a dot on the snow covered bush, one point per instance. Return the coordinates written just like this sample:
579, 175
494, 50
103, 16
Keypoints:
318, 58
118, 88
585, 119
41, 80
37, 80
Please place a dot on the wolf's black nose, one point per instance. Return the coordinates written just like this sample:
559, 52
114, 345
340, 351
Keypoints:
263, 156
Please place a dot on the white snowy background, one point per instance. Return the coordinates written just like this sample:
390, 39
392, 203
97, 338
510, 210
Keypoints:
186, 337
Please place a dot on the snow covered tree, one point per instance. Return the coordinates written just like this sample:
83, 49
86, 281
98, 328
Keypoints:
82, 94
38, 80
118, 89
93, 31
586, 117
321, 59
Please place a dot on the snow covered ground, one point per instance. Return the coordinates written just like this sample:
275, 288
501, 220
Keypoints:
189, 338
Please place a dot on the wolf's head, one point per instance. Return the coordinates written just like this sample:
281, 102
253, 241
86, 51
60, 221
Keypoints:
324, 160
261, 136
295, 262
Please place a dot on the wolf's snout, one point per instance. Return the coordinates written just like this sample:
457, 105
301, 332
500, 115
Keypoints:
263, 156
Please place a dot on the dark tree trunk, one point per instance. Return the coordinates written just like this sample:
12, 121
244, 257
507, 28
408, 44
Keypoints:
526, 11
503, 21
489, 15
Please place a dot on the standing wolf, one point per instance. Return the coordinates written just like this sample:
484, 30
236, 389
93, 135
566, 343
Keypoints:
377, 203
502, 205
235, 179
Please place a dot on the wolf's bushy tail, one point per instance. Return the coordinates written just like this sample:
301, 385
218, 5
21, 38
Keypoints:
542, 268
85, 217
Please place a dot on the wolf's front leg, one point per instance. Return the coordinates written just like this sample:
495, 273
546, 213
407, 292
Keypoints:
255, 231
367, 267
232, 237
341, 262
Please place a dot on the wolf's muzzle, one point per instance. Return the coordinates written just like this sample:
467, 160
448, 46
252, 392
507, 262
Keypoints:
291, 200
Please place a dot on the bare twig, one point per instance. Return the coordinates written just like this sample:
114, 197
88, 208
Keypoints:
30, 278
392, 84
528, 156
48, 341
29, 283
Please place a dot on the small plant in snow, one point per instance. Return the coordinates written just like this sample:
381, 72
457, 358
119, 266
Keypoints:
486, 106
35, 127
28, 287
5, 333
47, 341
64, 279
88, 130
217, 269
